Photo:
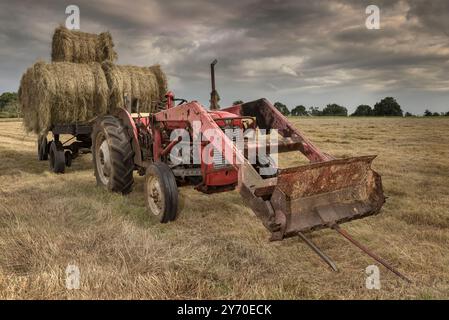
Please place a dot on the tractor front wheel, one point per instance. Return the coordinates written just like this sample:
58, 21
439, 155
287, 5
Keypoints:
112, 155
161, 192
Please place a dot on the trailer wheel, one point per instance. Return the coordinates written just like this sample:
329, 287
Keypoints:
112, 155
56, 157
161, 192
68, 158
42, 148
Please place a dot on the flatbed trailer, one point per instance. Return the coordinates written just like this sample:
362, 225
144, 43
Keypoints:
60, 154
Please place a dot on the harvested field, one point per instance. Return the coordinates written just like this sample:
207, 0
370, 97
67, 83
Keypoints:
217, 248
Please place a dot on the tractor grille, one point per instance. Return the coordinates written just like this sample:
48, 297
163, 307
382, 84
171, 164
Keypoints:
219, 161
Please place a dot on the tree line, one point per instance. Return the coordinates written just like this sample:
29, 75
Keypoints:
386, 107
9, 105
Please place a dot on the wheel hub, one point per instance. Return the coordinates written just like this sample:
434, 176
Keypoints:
155, 196
104, 161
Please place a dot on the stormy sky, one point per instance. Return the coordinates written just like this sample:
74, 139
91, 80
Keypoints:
297, 52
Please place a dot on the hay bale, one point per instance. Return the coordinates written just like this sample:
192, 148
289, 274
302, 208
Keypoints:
81, 47
161, 80
62, 93
147, 84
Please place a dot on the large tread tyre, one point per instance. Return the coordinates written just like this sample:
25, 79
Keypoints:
56, 157
161, 192
112, 154
42, 148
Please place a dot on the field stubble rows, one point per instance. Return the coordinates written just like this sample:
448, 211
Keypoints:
217, 248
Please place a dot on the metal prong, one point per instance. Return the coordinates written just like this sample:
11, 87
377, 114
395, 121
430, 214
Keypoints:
337, 228
317, 250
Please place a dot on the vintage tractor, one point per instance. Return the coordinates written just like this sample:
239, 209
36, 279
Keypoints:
289, 202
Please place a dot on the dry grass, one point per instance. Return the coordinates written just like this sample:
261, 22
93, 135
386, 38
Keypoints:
217, 248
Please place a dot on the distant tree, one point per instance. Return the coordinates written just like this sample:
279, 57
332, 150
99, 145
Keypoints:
435, 114
387, 107
282, 108
428, 113
335, 110
315, 111
12, 109
363, 110
299, 111
237, 102
447, 114
7, 98
408, 114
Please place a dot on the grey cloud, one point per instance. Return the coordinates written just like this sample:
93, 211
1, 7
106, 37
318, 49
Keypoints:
309, 52
433, 15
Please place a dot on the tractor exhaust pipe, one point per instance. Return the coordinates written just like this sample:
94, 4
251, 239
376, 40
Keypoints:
214, 97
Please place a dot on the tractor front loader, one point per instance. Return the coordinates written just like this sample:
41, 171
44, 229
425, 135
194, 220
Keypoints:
289, 202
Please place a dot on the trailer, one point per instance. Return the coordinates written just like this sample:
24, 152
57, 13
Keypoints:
60, 154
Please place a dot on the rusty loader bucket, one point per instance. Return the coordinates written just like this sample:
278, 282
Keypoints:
314, 196
319, 195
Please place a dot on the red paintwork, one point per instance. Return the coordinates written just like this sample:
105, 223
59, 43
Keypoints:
170, 99
186, 114
183, 116
222, 178
157, 144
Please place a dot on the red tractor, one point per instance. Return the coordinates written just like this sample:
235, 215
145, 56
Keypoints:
289, 202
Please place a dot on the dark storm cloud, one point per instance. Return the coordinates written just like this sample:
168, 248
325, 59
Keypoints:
309, 52
432, 15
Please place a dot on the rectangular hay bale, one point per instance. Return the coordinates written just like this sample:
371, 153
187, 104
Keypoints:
62, 93
147, 84
81, 47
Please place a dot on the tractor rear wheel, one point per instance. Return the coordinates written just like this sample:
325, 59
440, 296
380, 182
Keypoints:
161, 192
56, 157
112, 155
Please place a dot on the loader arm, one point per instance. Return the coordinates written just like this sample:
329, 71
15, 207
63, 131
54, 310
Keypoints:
268, 117
304, 198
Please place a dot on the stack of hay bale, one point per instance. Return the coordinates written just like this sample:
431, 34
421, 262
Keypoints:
83, 82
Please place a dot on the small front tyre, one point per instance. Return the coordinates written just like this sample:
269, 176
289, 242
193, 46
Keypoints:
161, 192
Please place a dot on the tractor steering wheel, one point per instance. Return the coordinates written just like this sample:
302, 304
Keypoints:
181, 101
